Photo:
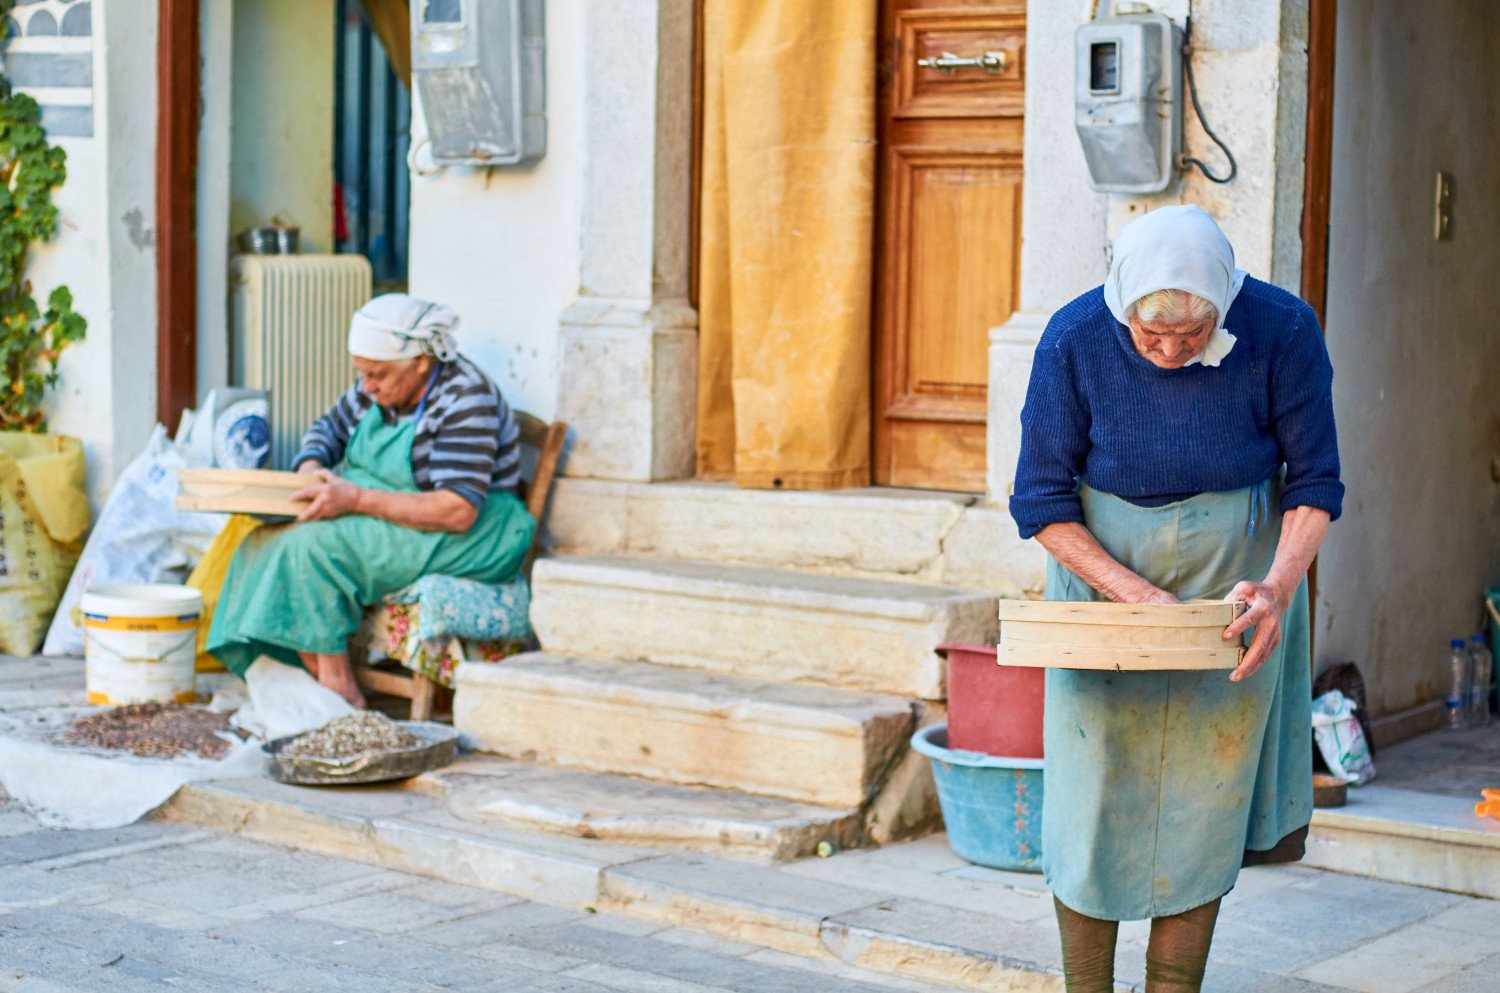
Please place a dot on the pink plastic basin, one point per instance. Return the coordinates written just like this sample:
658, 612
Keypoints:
993, 709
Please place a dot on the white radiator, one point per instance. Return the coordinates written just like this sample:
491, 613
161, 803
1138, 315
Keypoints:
290, 326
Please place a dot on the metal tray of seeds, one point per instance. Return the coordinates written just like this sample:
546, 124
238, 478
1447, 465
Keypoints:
438, 747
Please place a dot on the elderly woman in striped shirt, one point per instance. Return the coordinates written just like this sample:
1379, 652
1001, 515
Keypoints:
412, 472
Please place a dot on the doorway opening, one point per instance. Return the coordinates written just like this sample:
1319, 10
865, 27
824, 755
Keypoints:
944, 251
948, 235
371, 137
1407, 327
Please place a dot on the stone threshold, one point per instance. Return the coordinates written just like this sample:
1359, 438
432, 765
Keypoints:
918, 536
1404, 836
413, 831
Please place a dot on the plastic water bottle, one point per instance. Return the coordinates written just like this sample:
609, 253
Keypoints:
1479, 692
1460, 683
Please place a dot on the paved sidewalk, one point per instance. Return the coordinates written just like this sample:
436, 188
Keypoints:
914, 910
911, 913
157, 907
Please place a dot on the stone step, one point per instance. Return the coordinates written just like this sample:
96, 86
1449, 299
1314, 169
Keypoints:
1404, 836
874, 636
951, 539
630, 810
982, 945
803, 743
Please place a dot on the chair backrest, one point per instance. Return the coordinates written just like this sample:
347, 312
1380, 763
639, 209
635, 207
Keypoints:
546, 442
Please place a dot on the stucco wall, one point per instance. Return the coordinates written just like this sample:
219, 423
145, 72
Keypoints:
503, 246
106, 245
1250, 63
281, 101
1411, 332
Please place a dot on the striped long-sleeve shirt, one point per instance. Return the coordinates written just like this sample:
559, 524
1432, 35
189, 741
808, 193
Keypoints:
467, 440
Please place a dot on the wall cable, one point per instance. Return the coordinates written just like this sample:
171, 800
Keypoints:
1184, 160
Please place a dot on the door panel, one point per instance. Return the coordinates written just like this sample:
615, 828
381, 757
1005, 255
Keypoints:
948, 258
922, 34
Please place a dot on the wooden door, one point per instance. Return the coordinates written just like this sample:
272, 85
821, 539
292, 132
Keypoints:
949, 230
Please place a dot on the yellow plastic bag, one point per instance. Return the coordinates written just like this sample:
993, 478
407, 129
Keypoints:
208, 579
44, 512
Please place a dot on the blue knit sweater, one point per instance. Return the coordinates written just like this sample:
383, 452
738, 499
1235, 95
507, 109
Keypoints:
1097, 411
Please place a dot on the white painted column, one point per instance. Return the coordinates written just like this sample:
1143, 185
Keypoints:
1062, 231
629, 341
1251, 68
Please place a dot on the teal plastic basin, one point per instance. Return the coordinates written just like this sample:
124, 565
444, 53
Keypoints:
992, 805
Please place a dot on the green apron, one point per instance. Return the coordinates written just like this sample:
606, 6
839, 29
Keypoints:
1157, 783
304, 587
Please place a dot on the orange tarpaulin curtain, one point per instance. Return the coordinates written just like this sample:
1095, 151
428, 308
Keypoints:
391, 22
788, 202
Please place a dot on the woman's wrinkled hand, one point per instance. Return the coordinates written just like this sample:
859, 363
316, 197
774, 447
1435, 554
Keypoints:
1146, 593
331, 498
1264, 605
316, 470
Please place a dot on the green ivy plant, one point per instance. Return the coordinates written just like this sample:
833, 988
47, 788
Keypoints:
31, 340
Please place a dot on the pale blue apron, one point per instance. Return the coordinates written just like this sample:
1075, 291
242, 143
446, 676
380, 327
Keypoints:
304, 587
1158, 782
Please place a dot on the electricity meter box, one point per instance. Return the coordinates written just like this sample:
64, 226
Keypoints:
479, 66
1128, 95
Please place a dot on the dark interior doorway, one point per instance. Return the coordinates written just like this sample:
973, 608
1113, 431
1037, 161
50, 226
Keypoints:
371, 136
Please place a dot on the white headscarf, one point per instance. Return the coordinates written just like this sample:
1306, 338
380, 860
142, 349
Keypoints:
395, 326
1176, 248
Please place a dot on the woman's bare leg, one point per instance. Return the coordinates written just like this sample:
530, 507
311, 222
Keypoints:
309, 662
335, 672
1088, 948
1178, 951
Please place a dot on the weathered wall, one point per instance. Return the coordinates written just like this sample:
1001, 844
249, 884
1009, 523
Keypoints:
99, 103
1411, 331
503, 246
1251, 67
281, 145
1250, 64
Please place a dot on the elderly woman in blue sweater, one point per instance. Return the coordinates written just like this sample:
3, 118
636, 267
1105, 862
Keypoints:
1177, 443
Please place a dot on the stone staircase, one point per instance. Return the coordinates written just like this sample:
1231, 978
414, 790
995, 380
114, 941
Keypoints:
734, 672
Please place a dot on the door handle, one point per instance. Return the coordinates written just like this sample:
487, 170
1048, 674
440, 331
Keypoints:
947, 63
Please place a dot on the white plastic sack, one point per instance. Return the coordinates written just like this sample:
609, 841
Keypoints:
286, 700
1340, 739
140, 537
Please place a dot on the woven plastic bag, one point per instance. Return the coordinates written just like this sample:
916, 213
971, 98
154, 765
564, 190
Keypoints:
1340, 739
141, 536
44, 512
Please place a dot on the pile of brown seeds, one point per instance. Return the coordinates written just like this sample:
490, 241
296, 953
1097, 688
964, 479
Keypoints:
154, 730
353, 734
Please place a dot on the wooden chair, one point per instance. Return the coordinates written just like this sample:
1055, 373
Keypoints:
541, 449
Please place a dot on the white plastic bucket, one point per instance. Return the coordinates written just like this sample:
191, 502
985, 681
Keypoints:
140, 643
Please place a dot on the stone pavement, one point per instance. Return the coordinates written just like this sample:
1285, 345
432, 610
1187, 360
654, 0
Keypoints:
908, 914
158, 907
913, 910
